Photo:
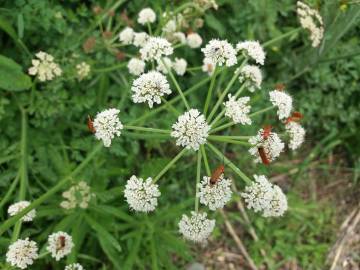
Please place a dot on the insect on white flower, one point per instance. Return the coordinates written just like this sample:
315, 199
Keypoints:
194, 40
220, 52
197, 227
215, 195
126, 36
252, 49
155, 48
190, 130
146, 15
22, 253
16, 208
251, 75
74, 266
238, 110
136, 66
44, 67
60, 244
107, 125
179, 66
141, 195
283, 102
150, 87
296, 133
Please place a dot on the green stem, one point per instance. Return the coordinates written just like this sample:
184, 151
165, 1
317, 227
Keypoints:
107, 69
155, 130
11, 221
210, 90
168, 166
245, 138
224, 140
223, 127
170, 107
149, 28
278, 38
194, 68
198, 175
42, 255
179, 45
144, 136
177, 86
243, 176
207, 167
261, 111
9, 191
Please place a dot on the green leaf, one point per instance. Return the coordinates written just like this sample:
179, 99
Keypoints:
215, 24
11, 76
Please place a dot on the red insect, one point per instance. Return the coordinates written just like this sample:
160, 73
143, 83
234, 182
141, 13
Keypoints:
263, 156
61, 243
295, 117
215, 176
266, 132
90, 124
280, 86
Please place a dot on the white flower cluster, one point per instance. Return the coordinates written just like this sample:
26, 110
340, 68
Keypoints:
179, 65
140, 39
190, 130
60, 244
220, 52
196, 228
77, 196
164, 64
16, 208
74, 266
194, 40
129, 36
283, 101
252, 49
215, 195
107, 125
44, 67
83, 70
271, 145
136, 66
251, 75
141, 195
238, 110
311, 20
155, 48
296, 133
22, 253
150, 87
146, 15
262, 196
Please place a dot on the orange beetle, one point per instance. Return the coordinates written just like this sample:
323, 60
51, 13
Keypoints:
295, 117
266, 132
90, 124
280, 86
215, 176
263, 156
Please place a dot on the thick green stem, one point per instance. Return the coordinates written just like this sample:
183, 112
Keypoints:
198, 175
149, 28
210, 90
168, 166
155, 130
276, 39
207, 167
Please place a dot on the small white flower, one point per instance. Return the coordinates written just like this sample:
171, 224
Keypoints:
179, 66
283, 101
197, 228
220, 52
215, 195
272, 146
150, 87
22, 253
169, 27
136, 66
141, 195
59, 245
44, 67
251, 75
238, 110
146, 15
161, 67
74, 266
190, 130
277, 205
179, 37
297, 134
208, 66
107, 125
155, 48
311, 20
194, 40
252, 49
140, 39
83, 70
77, 196
16, 208
126, 36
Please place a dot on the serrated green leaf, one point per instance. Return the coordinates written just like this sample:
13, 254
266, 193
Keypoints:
12, 77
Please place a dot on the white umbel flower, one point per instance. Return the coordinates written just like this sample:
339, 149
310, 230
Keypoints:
311, 20
194, 40
22, 253
146, 15
161, 66
77, 196
296, 133
215, 195
220, 52
155, 48
169, 27
44, 67
74, 266
251, 75
60, 244
238, 110
252, 49
16, 208
107, 125
179, 66
197, 227
82, 70
179, 37
126, 36
136, 66
150, 87
140, 39
141, 195
190, 130
272, 146
277, 205
283, 101
208, 66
